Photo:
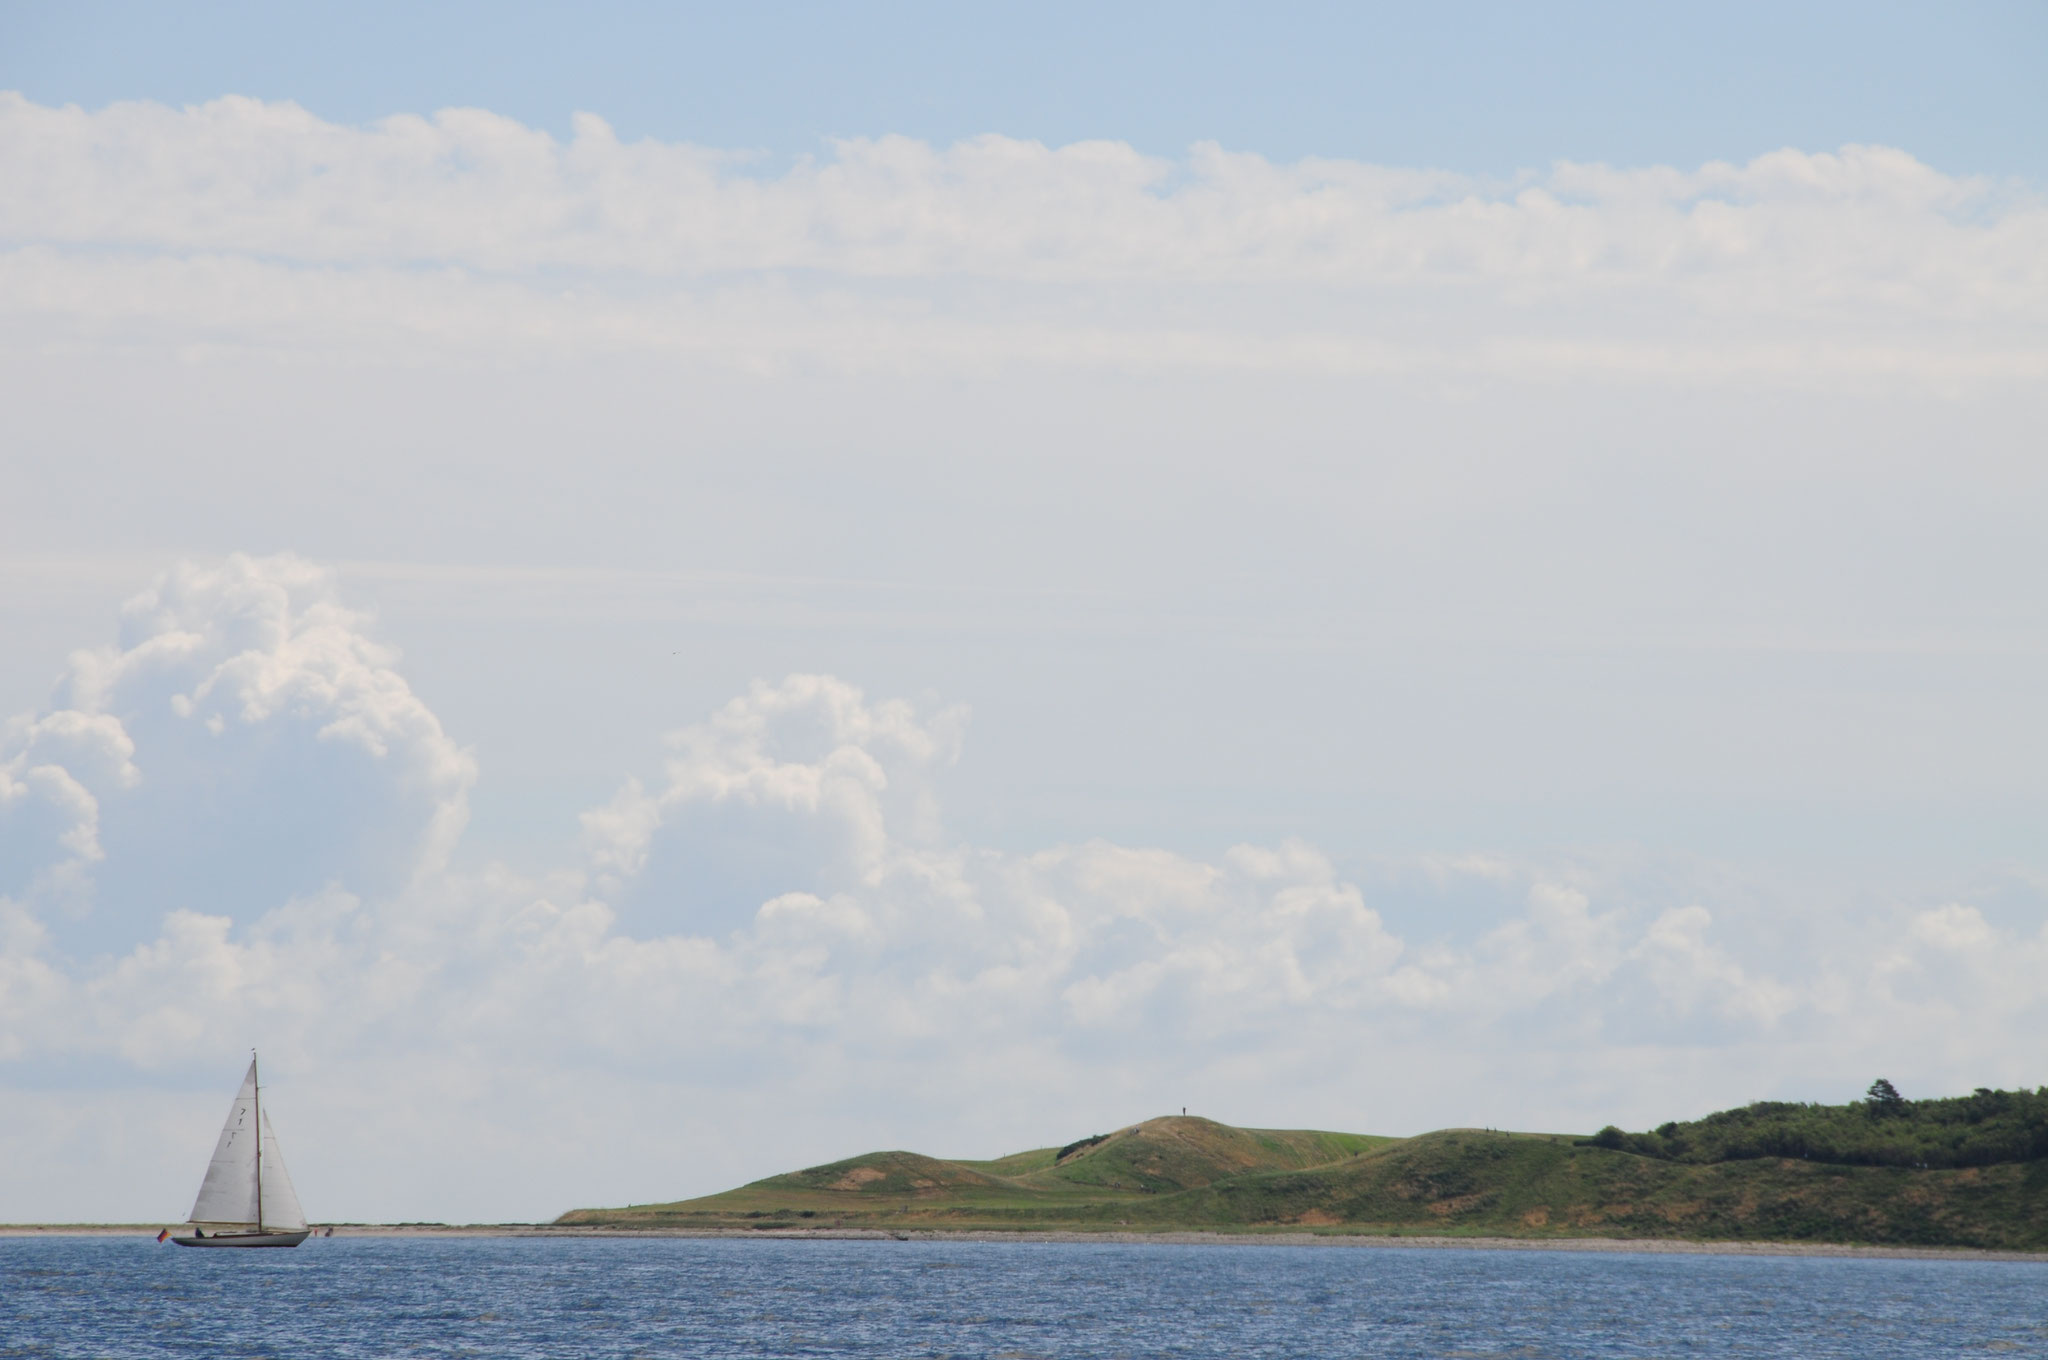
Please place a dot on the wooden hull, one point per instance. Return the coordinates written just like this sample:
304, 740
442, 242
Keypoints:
246, 1239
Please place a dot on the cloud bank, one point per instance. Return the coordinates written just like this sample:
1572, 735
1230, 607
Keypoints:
455, 349
240, 222
234, 825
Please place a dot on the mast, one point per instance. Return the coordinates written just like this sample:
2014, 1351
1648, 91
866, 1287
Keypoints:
257, 1102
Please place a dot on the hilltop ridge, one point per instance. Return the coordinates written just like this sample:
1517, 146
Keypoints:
1968, 1173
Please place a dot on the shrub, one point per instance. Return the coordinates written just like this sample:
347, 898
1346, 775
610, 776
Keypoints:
1982, 1129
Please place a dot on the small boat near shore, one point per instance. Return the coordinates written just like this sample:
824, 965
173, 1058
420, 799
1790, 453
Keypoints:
246, 1198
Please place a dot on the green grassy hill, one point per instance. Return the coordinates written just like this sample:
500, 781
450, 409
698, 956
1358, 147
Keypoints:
1184, 1173
1180, 1153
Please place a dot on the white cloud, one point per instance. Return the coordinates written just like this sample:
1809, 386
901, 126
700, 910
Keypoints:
780, 923
233, 689
472, 188
239, 223
1691, 973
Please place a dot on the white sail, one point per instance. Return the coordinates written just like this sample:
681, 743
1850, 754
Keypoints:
228, 1194
281, 1209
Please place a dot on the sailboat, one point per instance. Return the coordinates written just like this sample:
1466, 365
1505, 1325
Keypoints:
246, 1199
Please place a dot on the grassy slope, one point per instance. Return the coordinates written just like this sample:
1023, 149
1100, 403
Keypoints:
1522, 1185
1180, 1173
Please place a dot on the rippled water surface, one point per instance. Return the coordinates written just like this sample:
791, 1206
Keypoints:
672, 1297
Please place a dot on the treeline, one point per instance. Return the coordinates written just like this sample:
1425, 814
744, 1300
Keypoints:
1883, 1129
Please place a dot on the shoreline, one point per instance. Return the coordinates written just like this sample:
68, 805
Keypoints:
1661, 1246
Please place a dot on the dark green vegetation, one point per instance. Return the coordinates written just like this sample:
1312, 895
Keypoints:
1986, 1129
1969, 1173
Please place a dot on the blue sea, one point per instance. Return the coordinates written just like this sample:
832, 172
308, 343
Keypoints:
557, 1297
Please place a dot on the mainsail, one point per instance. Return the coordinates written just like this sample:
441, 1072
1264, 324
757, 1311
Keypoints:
247, 1171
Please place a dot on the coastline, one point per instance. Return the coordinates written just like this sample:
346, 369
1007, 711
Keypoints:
1645, 1246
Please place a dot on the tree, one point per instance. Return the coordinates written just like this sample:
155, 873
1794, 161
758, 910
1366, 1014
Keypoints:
1883, 1099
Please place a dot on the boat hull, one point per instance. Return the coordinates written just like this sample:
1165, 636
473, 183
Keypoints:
247, 1239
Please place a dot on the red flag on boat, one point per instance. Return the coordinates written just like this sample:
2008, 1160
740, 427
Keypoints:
162, 1235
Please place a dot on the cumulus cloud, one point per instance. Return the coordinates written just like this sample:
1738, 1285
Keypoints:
283, 752
239, 220
779, 921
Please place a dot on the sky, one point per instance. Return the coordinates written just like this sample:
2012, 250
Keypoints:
1486, 88
642, 597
